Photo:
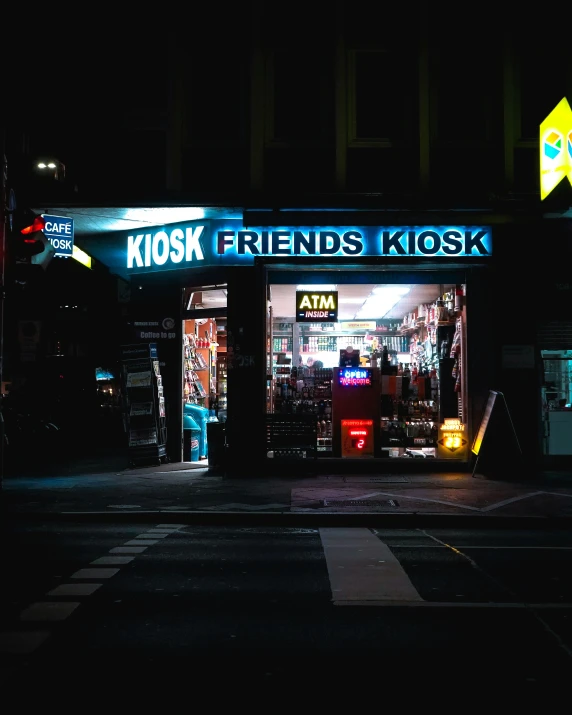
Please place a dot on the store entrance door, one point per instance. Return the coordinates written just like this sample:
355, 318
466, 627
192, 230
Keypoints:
557, 403
204, 374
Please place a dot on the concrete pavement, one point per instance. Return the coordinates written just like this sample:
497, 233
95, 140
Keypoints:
191, 494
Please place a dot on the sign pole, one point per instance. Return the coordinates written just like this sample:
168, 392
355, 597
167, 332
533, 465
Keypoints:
3, 221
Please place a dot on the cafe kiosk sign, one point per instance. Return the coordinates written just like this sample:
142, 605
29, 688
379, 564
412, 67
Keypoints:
452, 441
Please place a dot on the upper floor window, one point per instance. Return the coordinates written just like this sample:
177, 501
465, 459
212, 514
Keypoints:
468, 91
545, 77
382, 96
302, 97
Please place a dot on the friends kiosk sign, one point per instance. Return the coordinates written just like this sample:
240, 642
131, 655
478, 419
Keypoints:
357, 438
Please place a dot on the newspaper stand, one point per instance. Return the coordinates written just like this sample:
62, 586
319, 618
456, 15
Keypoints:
144, 404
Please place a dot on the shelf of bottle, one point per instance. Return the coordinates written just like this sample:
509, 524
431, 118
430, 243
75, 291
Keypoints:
334, 334
408, 421
317, 352
301, 399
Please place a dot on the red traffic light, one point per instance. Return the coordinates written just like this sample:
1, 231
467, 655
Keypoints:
38, 225
29, 244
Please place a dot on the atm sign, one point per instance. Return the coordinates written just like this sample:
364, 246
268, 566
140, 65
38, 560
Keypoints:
317, 306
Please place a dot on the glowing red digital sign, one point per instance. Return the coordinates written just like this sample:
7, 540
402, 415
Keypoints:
357, 438
360, 434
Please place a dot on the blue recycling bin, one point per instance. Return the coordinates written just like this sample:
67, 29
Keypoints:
200, 416
191, 439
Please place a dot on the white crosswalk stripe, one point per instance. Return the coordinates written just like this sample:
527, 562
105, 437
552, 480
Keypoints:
362, 568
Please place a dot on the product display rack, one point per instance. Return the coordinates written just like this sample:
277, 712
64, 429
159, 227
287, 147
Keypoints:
221, 384
144, 405
194, 362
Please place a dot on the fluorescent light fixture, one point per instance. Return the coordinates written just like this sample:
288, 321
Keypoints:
330, 286
157, 216
350, 300
391, 290
381, 300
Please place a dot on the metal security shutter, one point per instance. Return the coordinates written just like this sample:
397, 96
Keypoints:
555, 335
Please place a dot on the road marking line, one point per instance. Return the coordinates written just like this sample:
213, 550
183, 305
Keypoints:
455, 604
154, 535
49, 611
557, 494
363, 568
74, 589
145, 542
128, 550
414, 498
561, 642
170, 526
510, 501
159, 532
461, 546
94, 573
22, 642
113, 560
235, 506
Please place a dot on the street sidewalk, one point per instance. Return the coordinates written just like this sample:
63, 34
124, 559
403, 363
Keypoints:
189, 493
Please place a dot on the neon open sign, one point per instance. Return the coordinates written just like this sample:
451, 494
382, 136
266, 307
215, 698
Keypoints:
355, 376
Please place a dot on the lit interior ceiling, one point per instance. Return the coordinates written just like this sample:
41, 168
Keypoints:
350, 299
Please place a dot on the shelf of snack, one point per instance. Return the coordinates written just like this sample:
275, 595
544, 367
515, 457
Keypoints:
199, 361
221, 387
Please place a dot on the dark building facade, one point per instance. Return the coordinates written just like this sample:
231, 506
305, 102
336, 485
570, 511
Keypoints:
343, 118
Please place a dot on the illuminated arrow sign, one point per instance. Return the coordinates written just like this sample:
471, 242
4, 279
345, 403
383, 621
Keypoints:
555, 148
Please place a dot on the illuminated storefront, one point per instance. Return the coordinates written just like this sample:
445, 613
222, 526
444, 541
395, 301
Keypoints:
370, 344
330, 325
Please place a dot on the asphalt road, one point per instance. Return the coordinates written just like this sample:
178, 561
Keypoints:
282, 605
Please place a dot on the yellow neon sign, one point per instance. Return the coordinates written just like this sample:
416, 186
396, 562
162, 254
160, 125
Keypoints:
81, 256
452, 439
555, 148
